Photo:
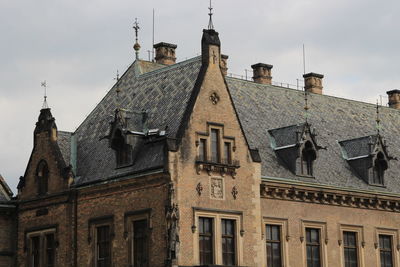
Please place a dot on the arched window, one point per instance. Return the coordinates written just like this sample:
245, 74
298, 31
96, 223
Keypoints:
380, 166
308, 155
42, 176
123, 151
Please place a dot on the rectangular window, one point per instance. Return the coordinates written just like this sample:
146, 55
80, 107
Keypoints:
215, 157
228, 242
140, 243
274, 246
385, 250
42, 249
313, 246
206, 239
350, 249
227, 153
35, 251
202, 150
50, 250
103, 246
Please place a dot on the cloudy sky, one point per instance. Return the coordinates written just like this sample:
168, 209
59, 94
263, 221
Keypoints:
77, 46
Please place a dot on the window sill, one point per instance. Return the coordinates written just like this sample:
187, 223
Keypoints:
222, 168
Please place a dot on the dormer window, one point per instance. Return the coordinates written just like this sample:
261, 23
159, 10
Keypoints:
123, 151
380, 166
42, 176
296, 146
368, 158
308, 155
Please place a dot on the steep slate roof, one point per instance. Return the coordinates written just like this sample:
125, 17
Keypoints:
5, 191
163, 92
265, 107
357, 147
64, 143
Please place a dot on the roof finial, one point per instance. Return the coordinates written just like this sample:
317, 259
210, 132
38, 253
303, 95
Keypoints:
118, 90
44, 85
136, 46
378, 120
306, 107
210, 23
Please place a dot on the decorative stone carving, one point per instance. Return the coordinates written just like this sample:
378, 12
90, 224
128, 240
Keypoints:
217, 188
234, 192
172, 218
214, 98
199, 189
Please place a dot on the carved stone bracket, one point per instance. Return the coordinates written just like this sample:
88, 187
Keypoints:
199, 189
234, 192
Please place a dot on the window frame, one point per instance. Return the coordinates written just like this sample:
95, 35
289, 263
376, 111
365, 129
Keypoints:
93, 224
129, 219
322, 227
394, 233
218, 216
284, 235
42, 234
96, 242
359, 230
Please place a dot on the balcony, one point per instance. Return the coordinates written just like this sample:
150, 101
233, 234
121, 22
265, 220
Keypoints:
218, 165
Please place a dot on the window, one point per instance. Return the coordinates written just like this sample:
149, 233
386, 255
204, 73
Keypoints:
380, 165
103, 248
202, 150
308, 156
350, 249
123, 151
313, 247
206, 240
140, 243
227, 153
274, 256
42, 175
385, 250
215, 157
42, 249
228, 242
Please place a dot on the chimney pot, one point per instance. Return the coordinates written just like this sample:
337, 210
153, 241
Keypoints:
394, 98
262, 73
165, 53
313, 83
224, 64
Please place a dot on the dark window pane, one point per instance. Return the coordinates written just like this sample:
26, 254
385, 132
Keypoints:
385, 249
350, 249
206, 241
227, 153
274, 249
313, 247
50, 250
35, 251
215, 145
202, 150
228, 242
140, 243
103, 246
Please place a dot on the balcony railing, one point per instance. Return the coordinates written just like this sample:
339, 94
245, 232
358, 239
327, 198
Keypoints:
221, 165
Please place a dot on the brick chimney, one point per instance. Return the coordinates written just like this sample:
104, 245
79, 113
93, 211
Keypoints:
313, 83
394, 98
165, 53
262, 73
224, 64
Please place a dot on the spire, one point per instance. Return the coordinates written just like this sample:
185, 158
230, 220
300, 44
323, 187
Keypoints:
210, 22
136, 46
378, 120
45, 105
306, 107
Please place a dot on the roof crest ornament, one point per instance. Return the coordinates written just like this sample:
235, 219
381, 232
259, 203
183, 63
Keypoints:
118, 90
44, 85
210, 22
378, 120
136, 46
306, 107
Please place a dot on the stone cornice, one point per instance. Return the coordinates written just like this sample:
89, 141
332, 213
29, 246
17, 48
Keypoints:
326, 196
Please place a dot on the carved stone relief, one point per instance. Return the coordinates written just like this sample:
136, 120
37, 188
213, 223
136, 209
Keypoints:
217, 188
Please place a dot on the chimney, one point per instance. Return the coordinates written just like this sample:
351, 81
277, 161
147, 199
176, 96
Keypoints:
394, 98
313, 83
224, 64
165, 53
262, 73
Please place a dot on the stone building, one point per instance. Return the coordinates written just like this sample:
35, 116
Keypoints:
181, 165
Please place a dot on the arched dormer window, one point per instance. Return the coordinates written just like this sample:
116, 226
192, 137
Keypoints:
380, 166
42, 176
123, 151
308, 155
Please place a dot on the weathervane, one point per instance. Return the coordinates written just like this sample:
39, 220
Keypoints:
44, 85
378, 120
210, 23
136, 46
